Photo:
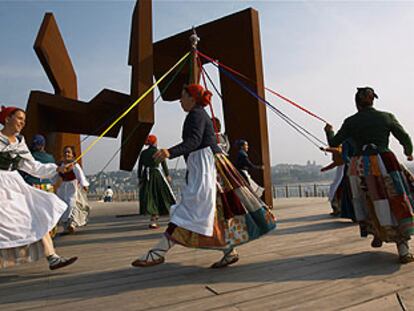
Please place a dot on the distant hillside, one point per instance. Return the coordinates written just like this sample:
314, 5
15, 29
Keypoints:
281, 174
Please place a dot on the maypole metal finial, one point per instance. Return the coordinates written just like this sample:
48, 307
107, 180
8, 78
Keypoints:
194, 39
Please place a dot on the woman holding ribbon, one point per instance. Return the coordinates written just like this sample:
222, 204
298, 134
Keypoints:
217, 209
27, 214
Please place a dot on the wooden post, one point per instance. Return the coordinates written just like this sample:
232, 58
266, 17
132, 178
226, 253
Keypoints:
300, 190
315, 190
287, 191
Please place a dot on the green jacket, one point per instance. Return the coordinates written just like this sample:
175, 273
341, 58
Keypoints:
146, 160
370, 126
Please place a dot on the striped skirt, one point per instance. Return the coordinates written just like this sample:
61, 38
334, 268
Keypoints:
10, 257
240, 216
382, 195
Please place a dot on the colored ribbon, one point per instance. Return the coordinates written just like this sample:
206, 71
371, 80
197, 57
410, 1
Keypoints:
133, 105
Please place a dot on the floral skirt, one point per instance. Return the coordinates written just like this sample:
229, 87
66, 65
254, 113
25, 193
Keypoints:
382, 196
240, 216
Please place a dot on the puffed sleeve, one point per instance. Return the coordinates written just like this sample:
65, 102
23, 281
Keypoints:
80, 176
33, 167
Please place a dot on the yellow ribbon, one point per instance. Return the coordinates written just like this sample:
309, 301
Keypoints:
131, 107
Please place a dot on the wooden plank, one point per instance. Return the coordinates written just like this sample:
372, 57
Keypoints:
309, 256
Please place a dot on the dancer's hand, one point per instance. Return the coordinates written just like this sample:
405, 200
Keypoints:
86, 189
328, 128
410, 157
169, 179
161, 155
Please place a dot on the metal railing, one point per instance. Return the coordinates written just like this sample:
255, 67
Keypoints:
300, 190
278, 191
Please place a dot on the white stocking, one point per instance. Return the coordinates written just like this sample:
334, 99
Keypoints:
403, 248
159, 250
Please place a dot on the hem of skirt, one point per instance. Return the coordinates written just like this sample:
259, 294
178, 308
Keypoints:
188, 227
22, 244
224, 247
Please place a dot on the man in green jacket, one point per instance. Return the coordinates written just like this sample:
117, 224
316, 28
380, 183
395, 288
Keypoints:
382, 188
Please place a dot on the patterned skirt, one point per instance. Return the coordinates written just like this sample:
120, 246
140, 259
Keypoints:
382, 196
240, 216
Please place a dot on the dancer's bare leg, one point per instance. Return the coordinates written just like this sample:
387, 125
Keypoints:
55, 261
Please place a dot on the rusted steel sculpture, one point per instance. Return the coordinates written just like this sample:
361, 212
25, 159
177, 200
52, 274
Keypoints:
56, 115
51, 51
234, 40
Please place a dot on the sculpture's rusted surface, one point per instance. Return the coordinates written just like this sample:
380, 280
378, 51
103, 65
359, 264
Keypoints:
234, 40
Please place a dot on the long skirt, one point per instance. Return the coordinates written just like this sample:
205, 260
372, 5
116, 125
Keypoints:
78, 210
26, 215
155, 193
224, 214
48, 188
382, 196
340, 194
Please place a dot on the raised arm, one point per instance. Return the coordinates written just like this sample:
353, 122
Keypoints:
334, 140
33, 167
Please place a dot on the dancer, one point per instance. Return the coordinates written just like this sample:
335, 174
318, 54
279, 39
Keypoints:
39, 153
155, 193
27, 214
381, 192
223, 140
243, 164
339, 191
72, 188
212, 215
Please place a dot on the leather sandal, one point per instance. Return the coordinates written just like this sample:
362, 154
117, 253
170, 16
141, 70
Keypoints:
149, 263
225, 261
407, 258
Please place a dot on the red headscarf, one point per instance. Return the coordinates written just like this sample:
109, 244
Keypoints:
200, 95
151, 140
5, 112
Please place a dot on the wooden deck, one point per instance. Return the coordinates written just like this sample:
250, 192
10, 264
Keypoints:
311, 262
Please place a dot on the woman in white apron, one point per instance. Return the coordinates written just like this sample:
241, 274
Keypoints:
27, 214
72, 189
217, 209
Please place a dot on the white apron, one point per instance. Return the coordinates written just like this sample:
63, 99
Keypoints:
197, 208
26, 213
339, 175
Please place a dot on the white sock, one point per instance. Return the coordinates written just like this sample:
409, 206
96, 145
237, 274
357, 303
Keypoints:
403, 248
159, 250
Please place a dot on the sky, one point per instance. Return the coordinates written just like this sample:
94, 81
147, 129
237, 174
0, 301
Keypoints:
315, 53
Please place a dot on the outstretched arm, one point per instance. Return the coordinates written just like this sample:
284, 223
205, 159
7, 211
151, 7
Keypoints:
402, 136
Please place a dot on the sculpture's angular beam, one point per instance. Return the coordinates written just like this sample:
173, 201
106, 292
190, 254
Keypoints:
51, 51
140, 120
57, 113
235, 41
